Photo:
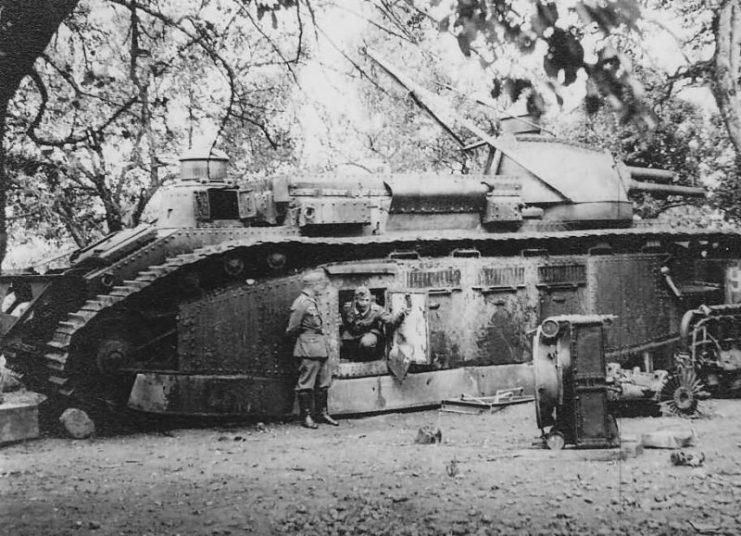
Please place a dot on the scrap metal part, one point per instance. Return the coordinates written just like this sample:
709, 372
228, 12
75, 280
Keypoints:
571, 387
480, 404
682, 392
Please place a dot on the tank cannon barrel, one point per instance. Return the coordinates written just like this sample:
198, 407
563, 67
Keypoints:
663, 177
650, 174
660, 190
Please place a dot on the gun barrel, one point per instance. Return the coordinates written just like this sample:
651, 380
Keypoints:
666, 189
651, 174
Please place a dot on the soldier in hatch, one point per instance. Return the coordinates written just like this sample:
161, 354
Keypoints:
305, 324
363, 325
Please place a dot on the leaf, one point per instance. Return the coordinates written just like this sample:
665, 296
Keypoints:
564, 50
526, 42
444, 24
535, 104
88, 77
603, 17
550, 68
274, 20
629, 12
496, 88
570, 73
545, 17
464, 44
592, 104
514, 87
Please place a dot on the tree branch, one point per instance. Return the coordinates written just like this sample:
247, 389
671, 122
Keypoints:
275, 48
65, 75
42, 107
74, 140
262, 127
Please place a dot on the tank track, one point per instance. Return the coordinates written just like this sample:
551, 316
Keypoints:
57, 352
57, 355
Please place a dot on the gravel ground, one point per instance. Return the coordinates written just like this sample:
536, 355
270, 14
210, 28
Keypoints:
370, 477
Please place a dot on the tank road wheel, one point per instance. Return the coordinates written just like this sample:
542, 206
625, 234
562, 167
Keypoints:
117, 344
115, 352
681, 392
103, 366
189, 282
276, 261
233, 266
104, 369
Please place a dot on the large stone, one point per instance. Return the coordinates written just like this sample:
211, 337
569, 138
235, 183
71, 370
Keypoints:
668, 439
77, 423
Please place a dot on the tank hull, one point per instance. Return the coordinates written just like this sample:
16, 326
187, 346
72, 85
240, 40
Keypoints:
208, 339
226, 352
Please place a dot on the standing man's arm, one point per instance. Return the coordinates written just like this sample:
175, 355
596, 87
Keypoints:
294, 321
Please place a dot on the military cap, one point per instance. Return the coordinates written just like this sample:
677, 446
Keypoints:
314, 276
362, 292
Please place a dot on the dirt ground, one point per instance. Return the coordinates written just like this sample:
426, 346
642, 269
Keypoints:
370, 477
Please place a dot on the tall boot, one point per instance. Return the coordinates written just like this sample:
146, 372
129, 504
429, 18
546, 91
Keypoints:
306, 408
322, 415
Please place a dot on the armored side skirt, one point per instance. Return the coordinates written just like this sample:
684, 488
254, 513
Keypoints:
205, 395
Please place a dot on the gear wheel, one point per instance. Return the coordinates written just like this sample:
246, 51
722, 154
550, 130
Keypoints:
682, 392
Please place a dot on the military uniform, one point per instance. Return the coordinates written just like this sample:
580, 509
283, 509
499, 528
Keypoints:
305, 323
363, 330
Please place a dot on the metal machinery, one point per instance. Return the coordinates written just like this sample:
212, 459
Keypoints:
185, 314
708, 357
571, 390
637, 392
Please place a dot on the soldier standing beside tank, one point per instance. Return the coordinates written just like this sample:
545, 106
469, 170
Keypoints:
305, 324
364, 322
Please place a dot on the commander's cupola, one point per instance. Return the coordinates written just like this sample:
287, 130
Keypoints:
203, 165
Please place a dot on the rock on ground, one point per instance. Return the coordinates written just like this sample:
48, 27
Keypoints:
77, 423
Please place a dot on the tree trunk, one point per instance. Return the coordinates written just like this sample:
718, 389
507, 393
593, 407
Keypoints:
4, 181
727, 63
26, 27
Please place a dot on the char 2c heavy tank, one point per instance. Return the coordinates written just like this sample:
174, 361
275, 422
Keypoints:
186, 314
